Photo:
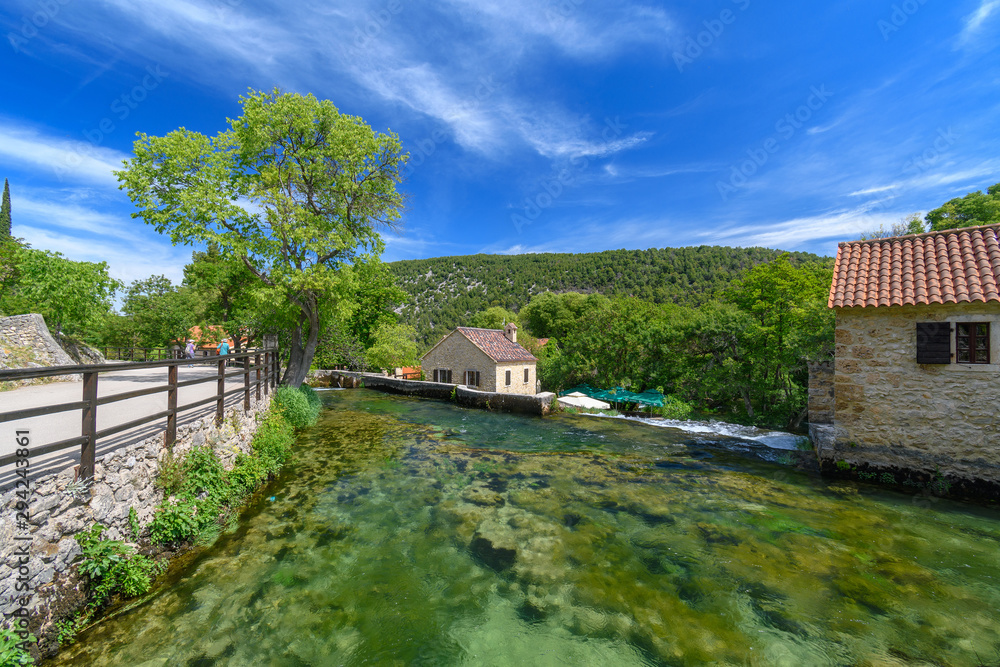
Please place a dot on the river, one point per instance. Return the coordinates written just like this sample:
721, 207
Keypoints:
414, 532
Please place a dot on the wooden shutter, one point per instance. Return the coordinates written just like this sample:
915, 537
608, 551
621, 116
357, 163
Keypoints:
508, 378
933, 343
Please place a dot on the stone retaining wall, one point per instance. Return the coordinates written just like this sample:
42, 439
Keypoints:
60, 507
25, 342
535, 404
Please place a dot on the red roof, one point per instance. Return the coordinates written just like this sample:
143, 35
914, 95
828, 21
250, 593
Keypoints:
496, 345
952, 266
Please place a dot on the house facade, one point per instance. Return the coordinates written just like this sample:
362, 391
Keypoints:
914, 390
483, 359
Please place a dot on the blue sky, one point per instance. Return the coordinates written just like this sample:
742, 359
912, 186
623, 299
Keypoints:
533, 126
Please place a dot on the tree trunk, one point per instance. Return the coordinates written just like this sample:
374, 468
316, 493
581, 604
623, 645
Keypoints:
301, 356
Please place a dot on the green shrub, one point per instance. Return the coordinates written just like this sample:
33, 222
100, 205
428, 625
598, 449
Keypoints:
174, 522
113, 566
13, 649
674, 408
247, 473
170, 477
203, 473
273, 441
299, 406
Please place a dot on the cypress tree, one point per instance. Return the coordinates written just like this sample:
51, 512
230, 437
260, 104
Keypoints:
5, 211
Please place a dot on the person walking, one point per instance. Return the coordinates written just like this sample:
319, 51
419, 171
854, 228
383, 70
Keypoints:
223, 348
189, 351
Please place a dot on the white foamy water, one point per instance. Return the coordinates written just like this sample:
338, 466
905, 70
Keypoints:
766, 437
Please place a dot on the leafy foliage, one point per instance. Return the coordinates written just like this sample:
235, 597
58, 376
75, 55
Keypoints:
71, 296
12, 648
112, 566
971, 210
318, 183
393, 346
299, 406
745, 353
446, 292
206, 494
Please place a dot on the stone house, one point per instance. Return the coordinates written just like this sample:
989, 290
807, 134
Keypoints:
484, 359
914, 390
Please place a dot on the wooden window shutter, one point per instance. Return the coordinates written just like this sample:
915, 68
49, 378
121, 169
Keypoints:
933, 343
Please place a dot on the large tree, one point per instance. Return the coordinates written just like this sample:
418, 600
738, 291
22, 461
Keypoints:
294, 189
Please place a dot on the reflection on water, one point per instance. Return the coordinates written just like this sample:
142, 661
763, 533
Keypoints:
415, 532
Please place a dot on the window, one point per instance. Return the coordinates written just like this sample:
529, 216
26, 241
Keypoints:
508, 378
472, 378
972, 343
933, 343
442, 375
526, 371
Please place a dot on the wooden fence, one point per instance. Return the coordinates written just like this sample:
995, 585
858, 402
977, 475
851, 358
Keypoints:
265, 364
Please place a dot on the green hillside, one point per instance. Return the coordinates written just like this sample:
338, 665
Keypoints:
445, 291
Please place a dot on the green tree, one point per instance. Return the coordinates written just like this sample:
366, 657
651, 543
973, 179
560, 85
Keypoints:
220, 291
294, 189
161, 314
971, 210
5, 223
71, 296
492, 318
393, 346
788, 324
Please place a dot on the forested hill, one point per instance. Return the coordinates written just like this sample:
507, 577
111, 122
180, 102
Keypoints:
445, 291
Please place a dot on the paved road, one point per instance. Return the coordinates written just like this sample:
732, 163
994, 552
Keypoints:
60, 426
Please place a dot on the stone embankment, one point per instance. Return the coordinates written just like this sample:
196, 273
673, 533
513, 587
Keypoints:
537, 404
61, 506
25, 342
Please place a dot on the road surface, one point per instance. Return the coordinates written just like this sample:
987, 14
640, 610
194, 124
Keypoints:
62, 425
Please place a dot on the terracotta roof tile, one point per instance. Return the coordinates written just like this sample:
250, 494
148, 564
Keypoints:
953, 266
495, 344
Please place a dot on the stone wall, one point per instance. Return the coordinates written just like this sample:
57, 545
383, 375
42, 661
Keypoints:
25, 342
529, 404
534, 404
60, 507
821, 396
892, 413
457, 353
517, 383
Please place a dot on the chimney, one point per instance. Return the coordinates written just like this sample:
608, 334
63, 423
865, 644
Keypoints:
510, 331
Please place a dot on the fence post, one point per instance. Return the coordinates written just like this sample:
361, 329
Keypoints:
277, 370
256, 363
171, 435
89, 426
220, 397
246, 384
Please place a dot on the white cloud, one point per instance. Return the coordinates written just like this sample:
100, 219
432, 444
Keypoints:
68, 161
974, 21
871, 191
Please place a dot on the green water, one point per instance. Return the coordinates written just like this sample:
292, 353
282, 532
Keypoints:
412, 532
